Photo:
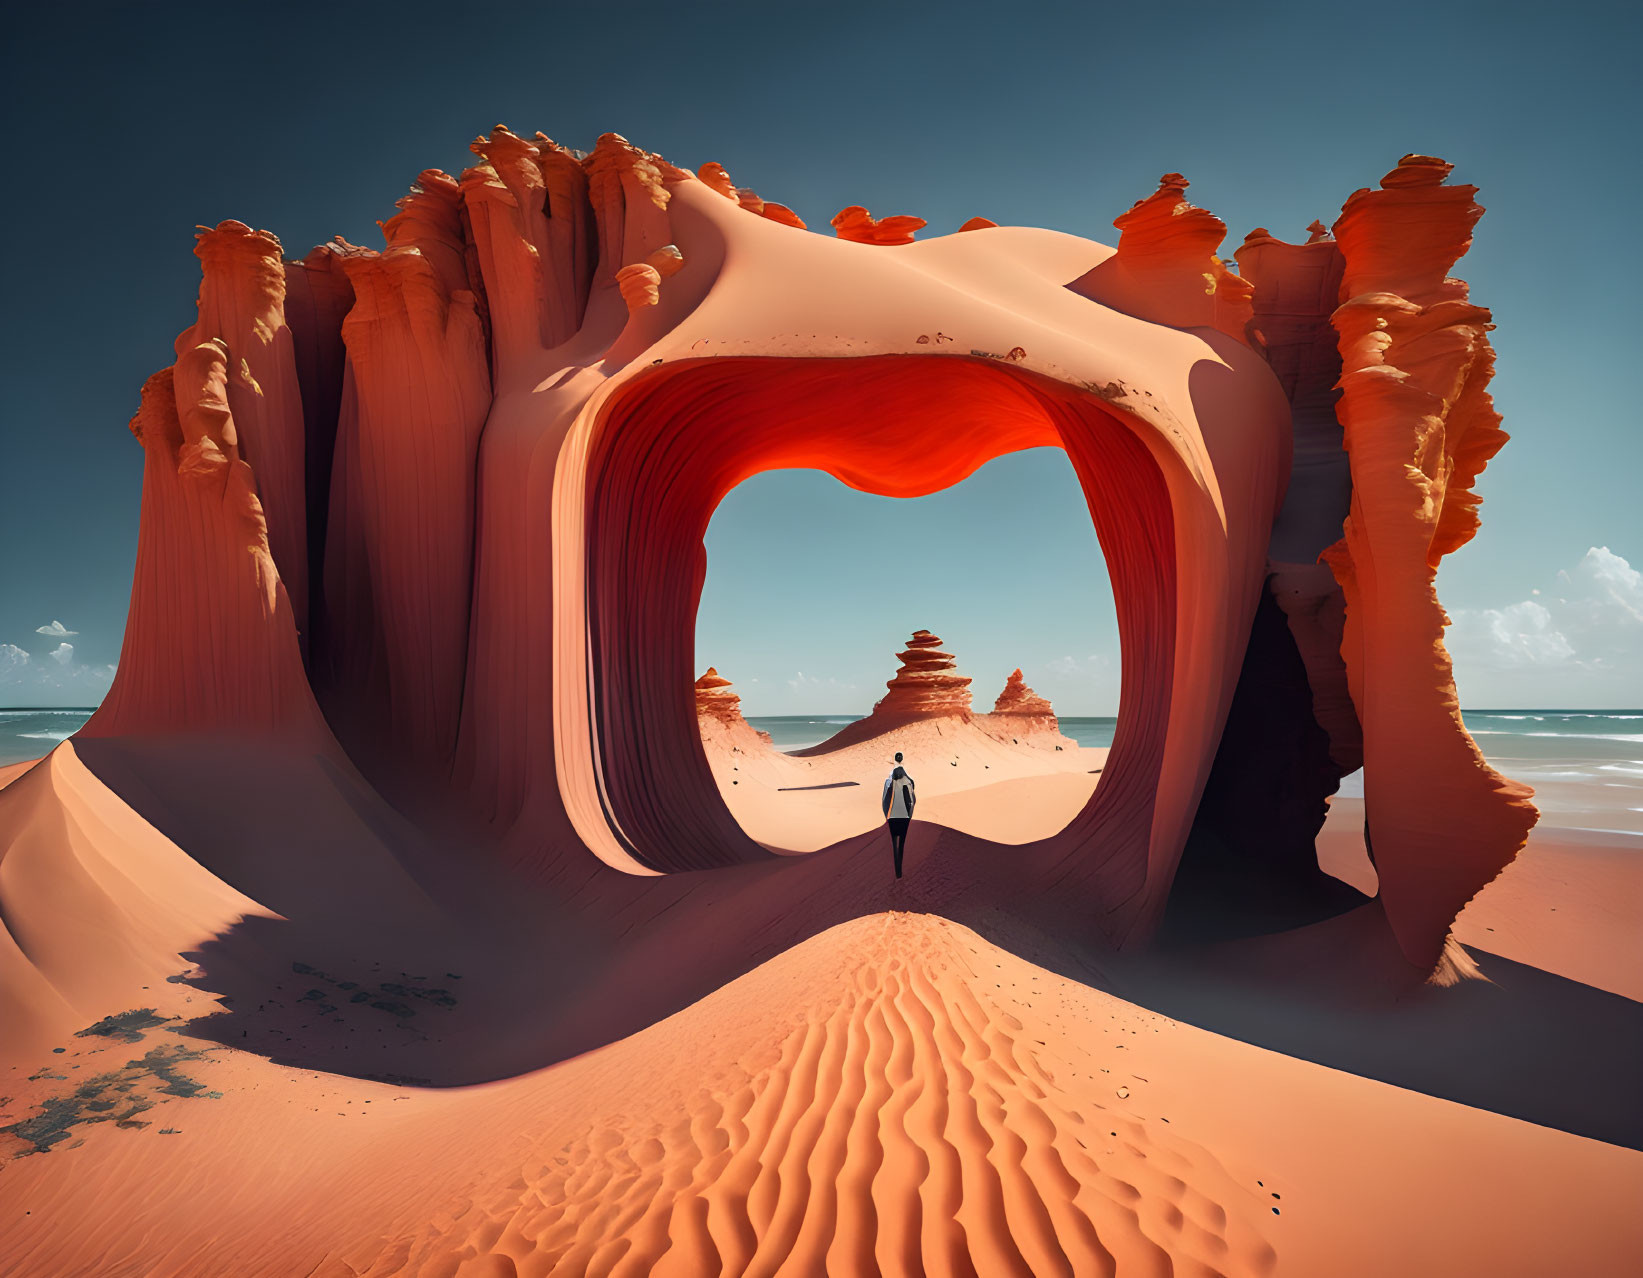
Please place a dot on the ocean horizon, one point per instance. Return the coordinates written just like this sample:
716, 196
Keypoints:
1586, 765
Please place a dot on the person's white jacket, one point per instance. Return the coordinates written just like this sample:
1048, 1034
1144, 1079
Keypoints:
899, 798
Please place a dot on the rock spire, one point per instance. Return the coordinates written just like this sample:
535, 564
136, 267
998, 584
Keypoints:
715, 700
1018, 699
717, 707
927, 682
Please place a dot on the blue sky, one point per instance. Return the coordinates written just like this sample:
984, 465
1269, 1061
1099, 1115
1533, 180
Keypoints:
128, 124
1005, 567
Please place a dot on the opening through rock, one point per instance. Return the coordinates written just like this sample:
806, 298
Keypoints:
971, 629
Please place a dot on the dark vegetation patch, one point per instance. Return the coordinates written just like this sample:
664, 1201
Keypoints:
128, 1027
389, 996
439, 998
118, 1096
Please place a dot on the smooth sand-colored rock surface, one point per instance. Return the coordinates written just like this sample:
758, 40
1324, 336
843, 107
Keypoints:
895, 1095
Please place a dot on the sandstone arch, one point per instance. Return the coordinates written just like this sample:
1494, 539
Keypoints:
560, 362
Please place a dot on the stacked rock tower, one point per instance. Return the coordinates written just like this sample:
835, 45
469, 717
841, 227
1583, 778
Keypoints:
927, 682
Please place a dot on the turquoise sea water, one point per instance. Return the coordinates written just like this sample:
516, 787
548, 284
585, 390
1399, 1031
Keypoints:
28, 734
1586, 765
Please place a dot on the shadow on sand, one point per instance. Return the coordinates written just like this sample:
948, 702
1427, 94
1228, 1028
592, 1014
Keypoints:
423, 960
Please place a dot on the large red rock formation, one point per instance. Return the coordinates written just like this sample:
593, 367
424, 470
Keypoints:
212, 634
499, 441
407, 439
1419, 427
1386, 363
926, 683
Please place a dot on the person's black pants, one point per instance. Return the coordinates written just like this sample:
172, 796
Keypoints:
898, 838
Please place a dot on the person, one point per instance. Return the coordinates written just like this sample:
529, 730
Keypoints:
899, 799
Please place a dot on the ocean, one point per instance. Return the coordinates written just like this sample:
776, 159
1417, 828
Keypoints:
28, 734
1586, 765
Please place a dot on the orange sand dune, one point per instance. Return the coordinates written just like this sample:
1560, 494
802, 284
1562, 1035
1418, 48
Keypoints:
894, 1095
9, 772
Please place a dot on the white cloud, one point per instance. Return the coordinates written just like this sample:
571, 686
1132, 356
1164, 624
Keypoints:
803, 683
56, 630
1577, 642
1522, 634
1606, 592
1094, 666
58, 681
